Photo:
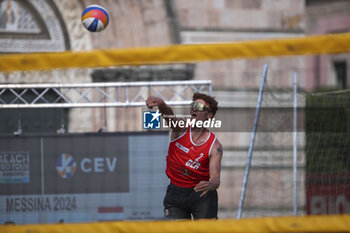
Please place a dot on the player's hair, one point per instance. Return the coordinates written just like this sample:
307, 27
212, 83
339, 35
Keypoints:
213, 104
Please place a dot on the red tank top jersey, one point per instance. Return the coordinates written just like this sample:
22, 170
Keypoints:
188, 163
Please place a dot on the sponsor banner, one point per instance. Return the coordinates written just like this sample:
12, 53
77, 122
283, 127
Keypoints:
97, 177
14, 167
328, 194
20, 166
23, 204
86, 164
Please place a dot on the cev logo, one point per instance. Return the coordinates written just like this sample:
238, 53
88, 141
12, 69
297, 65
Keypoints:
66, 165
97, 165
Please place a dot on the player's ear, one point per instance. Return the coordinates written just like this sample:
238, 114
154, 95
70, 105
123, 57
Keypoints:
210, 115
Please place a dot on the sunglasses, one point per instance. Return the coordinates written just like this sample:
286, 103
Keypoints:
199, 106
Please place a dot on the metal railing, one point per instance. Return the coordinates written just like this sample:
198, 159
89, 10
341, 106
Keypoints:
91, 95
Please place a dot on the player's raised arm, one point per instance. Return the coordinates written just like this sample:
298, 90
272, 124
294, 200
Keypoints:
153, 101
165, 110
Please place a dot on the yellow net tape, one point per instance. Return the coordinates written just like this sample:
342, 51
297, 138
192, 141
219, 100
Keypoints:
322, 44
329, 223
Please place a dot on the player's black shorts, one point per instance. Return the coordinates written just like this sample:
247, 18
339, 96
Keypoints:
185, 203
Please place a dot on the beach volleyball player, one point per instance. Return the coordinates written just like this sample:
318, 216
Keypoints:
193, 162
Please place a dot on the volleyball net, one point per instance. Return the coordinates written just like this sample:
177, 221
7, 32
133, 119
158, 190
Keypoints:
77, 146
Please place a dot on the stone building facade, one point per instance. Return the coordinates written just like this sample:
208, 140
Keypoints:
328, 71
54, 25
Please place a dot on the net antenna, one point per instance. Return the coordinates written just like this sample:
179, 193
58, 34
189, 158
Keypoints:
251, 145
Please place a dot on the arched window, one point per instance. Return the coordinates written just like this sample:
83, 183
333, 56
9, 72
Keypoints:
31, 26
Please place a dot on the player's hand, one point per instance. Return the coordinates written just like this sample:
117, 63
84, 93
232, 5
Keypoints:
205, 186
153, 101
202, 186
